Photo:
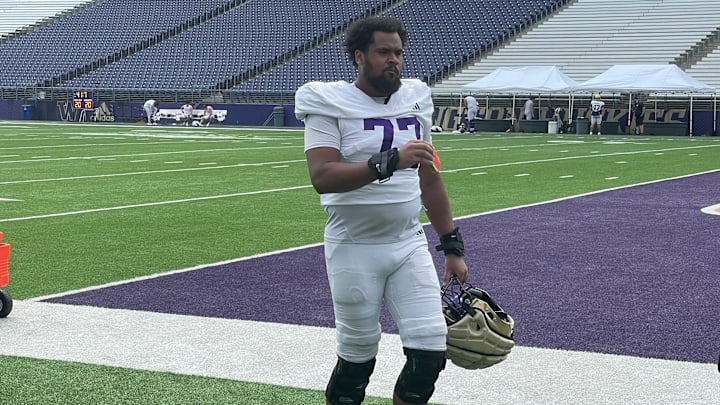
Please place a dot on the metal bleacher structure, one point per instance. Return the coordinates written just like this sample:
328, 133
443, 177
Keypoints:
436, 47
108, 31
587, 37
260, 51
130, 50
18, 17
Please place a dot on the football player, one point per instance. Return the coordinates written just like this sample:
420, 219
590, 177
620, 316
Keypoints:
208, 116
370, 157
151, 108
186, 111
471, 105
597, 107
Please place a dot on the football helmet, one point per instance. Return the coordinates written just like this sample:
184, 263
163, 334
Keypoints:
480, 333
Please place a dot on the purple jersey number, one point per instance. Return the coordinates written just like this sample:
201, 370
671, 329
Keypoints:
389, 130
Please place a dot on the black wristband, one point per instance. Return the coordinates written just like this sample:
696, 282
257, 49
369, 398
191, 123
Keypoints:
384, 163
452, 243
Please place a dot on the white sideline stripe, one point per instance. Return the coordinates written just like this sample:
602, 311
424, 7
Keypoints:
156, 275
213, 197
202, 266
303, 356
587, 194
8, 199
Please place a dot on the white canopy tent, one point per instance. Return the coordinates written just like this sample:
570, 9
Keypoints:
514, 80
647, 79
522, 80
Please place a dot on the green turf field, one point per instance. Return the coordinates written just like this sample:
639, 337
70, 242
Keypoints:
86, 205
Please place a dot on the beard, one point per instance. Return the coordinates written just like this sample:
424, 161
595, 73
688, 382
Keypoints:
383, 84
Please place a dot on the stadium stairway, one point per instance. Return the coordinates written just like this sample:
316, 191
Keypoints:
22, 17
94, 37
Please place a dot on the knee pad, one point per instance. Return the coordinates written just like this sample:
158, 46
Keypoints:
416, 382
348, 382
357, 345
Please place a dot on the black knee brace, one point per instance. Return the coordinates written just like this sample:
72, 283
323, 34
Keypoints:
348, 381
417, 379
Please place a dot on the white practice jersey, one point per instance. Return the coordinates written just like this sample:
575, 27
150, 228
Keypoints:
208, 112
149, 104
472, 103
405, 117
596, 106
341, 116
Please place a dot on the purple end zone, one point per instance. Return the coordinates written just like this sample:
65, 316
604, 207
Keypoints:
634, 271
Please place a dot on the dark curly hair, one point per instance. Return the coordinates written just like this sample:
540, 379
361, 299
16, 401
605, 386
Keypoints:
359, 35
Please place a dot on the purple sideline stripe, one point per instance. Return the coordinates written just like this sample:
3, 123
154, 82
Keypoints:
634, 271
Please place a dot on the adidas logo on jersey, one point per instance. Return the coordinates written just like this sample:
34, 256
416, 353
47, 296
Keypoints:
416, 107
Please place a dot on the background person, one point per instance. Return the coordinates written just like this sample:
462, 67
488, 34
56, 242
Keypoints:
151, 108
529, 106
471, 107
369, 154
186, 111
597, 107
208, 116
639, 113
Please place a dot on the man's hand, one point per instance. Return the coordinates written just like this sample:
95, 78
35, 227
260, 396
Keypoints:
455, 265
415, 152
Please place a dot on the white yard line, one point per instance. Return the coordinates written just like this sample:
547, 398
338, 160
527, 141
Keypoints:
189, 169
573, 157
178, 152
151, 204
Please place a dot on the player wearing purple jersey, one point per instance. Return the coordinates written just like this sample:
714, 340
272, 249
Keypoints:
369, 156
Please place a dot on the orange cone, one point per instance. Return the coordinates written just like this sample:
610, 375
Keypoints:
4, 259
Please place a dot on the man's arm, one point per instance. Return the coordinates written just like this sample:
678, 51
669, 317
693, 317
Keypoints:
329, 175
437, 205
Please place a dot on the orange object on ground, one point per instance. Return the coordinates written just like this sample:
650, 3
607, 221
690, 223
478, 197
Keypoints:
436, 162
4, 259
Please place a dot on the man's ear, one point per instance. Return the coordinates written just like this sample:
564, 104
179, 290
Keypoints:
359, 57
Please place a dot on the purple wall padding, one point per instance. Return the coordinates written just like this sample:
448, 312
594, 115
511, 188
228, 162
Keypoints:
263, 114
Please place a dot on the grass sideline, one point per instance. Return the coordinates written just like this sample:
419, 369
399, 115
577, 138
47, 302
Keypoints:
85, 205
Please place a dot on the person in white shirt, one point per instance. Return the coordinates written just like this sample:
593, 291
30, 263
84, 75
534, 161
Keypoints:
208, 116
185, 116
151, 108
529, 106
370, 157
471, 105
